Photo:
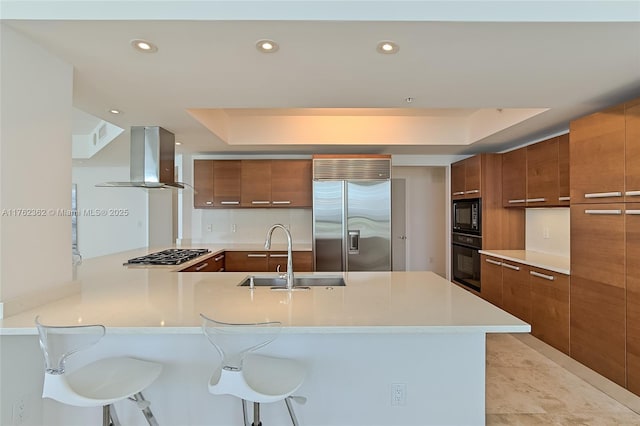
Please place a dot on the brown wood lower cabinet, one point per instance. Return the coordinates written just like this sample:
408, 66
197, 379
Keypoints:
598, 295
550, 307
491, 276
302, 261
632, 231
516, 290
212, 264
263, 261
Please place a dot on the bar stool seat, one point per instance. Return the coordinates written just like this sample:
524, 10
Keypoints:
250, 376
99, 383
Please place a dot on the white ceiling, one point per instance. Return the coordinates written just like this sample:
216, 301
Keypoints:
563, 56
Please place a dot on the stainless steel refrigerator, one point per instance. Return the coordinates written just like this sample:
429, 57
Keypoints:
352, 215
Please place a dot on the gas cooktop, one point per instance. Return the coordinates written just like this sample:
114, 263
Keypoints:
167, 257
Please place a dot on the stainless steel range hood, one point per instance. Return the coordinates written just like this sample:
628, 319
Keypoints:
152, 159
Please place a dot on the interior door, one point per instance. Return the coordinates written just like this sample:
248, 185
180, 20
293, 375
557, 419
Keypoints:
368, 244
398, 224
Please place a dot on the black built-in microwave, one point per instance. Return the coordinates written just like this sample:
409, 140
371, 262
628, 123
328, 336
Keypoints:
466, 216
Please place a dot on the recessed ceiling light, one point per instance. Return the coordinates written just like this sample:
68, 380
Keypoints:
267, 46
387, 47
144, 46
114, 111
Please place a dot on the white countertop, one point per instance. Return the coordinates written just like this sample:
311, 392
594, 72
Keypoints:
559, 264
162, 301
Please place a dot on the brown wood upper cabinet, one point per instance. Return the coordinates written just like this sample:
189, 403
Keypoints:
632, 151
597, 145
256, 183
291, 182
252, 183
537, 175
203, 183
466, 178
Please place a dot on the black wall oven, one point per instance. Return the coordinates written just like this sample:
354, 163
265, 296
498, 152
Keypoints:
465, 259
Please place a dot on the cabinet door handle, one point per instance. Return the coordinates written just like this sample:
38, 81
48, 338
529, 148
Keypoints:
229, 203
221, 270
545, 276
564, 198
515, 268
536, 200
633, 212
493, 262
516, 201
204, 265
632, 193
603, 194
615, 212
219, 258
473, 191
278, 255
458, 193
257, 255
281, 202
260, 202
208, 202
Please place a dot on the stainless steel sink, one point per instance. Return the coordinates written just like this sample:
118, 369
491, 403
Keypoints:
304, 281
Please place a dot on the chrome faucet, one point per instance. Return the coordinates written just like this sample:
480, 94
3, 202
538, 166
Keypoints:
267, 245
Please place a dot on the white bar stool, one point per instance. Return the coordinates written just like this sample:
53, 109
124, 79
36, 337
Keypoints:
97, 384
249, 376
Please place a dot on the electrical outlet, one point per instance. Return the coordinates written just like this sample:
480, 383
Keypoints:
234, 228
398, 394
19, 411
209, 228
545, 233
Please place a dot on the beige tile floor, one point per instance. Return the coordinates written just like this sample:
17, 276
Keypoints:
531, 383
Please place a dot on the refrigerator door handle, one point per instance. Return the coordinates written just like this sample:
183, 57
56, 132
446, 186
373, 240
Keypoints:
354, 241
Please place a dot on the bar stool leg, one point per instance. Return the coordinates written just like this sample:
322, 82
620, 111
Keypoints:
292, 414
113, 416
256, 414
245, 417
106, 419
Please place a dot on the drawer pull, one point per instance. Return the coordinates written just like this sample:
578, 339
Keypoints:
221, 270
515, 268
632, 193
545, 276
208, 203
204, 265
458, 193
219, 258
634, 212
516, 201
257, 255
261, 202
603, 212
603, 194
472, 191
493, 262
229, 203
281, 202
536, 200
564, 198
278, 255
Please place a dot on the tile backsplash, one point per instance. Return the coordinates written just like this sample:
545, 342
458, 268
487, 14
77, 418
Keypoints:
240, 226
548, 231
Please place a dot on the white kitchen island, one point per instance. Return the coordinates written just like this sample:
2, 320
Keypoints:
383, 328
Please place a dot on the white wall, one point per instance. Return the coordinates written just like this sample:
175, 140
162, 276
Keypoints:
111, 233
548, 231
426, 209
35, 168
237, 226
